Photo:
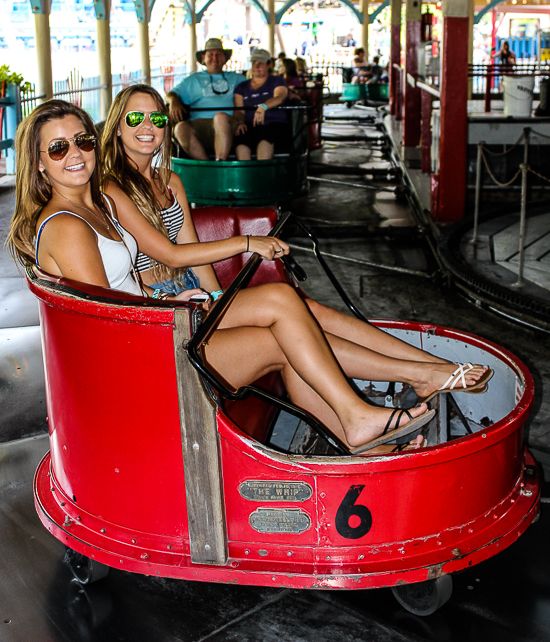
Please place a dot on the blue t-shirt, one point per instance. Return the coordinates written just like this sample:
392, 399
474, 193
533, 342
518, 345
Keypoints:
255, 97
199, 90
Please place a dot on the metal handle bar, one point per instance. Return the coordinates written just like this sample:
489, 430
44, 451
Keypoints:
329, 272
209, 326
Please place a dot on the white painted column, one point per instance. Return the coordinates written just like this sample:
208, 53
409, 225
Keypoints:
44, 86
192, 39
365, 27
104, 56
143, 41
271, 26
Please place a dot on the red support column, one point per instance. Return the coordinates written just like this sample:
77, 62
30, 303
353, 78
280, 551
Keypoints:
411, 116
426, 132
454, 113
395, 58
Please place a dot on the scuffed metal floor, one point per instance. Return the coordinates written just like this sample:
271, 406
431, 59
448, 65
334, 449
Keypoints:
506, 598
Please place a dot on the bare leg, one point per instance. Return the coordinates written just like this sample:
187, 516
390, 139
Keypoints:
187, 138
241, 355
260, 306
277, 307
363, 334
243, 152
223, 135
265, 150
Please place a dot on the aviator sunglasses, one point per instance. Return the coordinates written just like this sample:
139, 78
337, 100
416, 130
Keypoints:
59, 148
135, 118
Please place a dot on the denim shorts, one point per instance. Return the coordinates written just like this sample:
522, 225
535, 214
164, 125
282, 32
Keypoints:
188, 281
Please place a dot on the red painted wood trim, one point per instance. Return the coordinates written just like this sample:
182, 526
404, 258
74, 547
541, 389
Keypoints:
411, 118
395, 77
426, 132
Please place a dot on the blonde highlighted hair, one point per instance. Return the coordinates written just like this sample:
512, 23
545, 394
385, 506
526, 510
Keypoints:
120, 169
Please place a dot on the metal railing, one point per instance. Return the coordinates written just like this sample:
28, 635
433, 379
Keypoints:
85, 92
523, 170
487, 79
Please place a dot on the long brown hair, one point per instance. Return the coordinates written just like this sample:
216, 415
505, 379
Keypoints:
120, 169
32, 189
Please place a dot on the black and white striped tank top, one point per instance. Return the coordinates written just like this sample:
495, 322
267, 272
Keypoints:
173, 220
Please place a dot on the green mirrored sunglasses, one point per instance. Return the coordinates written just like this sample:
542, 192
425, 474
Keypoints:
135, 118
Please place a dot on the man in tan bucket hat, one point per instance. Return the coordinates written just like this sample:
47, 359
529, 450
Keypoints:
211, 88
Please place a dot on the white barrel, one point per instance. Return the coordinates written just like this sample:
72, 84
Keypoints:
518, 95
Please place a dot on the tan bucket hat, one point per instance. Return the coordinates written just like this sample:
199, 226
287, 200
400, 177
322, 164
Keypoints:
213, 43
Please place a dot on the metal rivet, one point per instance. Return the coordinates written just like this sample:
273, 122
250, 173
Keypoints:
361, 557
145, 556
169, 547
328, 557
207, 547
134, 541
195, 447
79, 518
289, 553
102, 530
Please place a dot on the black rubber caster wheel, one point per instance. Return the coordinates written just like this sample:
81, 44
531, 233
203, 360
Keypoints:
349, 104
424, 598
84, 569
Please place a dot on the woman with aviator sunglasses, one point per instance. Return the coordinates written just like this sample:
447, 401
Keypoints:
62, 222
265, 322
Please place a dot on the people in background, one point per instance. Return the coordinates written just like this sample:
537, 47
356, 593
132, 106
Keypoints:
263, 128
505, 55
301, 67
376, 71
290, 73
197, 97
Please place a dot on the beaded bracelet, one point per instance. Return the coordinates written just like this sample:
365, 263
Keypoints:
216, 294
155, 294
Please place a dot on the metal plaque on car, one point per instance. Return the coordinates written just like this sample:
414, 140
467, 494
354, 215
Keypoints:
275, 491
275, 520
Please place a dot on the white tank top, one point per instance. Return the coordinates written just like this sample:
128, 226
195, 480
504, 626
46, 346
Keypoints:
118, 256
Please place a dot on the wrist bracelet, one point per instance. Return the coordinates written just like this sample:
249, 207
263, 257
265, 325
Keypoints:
155, 294
247, 242
216, 294
264, 106
163, 296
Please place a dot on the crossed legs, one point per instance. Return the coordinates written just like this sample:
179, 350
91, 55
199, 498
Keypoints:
270, 328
